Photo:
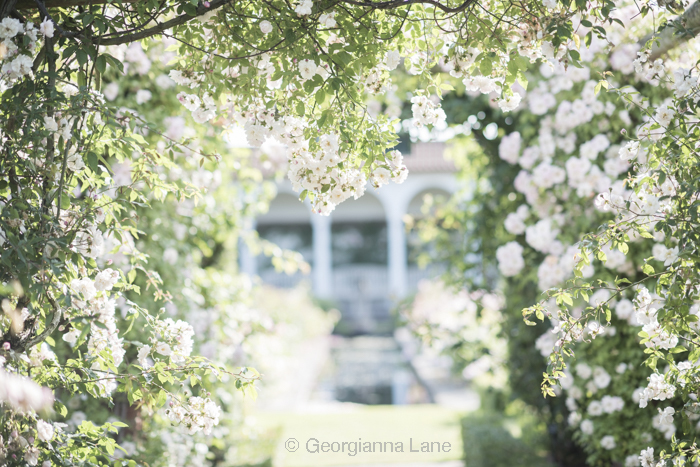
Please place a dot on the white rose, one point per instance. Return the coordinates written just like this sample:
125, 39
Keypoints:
10, 27
44, 431
46, 28
143, 96
51, 124
143, 354
307, 69
265, 27
31, 456
71, 337
393, 58
328, 20
163, 349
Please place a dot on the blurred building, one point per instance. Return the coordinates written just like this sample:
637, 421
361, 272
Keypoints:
361, 256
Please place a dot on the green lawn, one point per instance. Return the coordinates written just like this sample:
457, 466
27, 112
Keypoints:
410, 425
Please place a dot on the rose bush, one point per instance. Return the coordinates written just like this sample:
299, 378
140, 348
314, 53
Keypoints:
579, 158
94, 310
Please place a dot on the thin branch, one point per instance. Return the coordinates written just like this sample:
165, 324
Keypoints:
399, 3
50, 328
160, 27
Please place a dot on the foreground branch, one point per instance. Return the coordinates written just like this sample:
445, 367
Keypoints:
160, 27
668, 39
6, 7
30, 5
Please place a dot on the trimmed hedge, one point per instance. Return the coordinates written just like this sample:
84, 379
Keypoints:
488, 443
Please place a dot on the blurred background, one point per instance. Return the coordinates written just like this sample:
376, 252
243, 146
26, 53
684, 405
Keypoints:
372, 359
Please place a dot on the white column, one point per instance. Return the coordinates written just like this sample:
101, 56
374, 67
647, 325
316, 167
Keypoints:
246, 260
398, 276
323, 261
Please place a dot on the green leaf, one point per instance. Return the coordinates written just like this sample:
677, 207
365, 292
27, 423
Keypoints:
114, 62
522, 62
324, 117
101, 64
82, 56
539, 314
486, 67
87, 19
190, 9
320, 96
135, 396
344, 57
290, 36
522, 80
162, 397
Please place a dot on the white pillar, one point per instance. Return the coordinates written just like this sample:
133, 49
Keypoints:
323, 260
246, 260
398, 276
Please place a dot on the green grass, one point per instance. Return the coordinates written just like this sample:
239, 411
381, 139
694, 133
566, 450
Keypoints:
419, 423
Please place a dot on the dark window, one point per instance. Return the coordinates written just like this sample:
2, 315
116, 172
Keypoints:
359, 243
295, 237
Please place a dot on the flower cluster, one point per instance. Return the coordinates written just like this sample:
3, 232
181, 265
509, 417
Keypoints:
510, 259
198, 414
18, 46
321, 175
173, 339
92, 299
425, 112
